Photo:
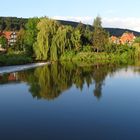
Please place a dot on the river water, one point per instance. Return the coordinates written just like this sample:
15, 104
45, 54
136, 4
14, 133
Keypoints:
71, 102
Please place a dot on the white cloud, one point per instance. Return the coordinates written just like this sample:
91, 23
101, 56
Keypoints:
127, 23
116, 22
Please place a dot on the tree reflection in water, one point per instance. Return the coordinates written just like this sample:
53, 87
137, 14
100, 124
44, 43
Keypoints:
50, 81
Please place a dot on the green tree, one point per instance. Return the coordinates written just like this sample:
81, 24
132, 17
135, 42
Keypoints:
61, 42
31, 34
47, 30
137, 40
100, 36
3, 42
81, 28
20, 45
76, 39
88, 36
97, 22
8, 24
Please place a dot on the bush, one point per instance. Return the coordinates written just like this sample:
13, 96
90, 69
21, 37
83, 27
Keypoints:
87, 48
14, 59
68, 55
123, 58
137, 50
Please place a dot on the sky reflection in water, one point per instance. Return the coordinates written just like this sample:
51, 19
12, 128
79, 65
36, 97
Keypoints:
70, 101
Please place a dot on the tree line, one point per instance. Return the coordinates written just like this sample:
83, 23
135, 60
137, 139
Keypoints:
49, 40
15, 23
12, 23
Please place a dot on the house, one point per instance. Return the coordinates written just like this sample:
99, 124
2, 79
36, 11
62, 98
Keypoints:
127, 38
11, 37
2, 49
115, 40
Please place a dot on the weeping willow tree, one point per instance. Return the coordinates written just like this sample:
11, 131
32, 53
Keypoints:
47, 30
54, 50
61, 42
76, 39
53, 40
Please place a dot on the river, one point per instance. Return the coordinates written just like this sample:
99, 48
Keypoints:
71, 102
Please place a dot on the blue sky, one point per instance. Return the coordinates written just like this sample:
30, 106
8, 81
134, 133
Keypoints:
113, 12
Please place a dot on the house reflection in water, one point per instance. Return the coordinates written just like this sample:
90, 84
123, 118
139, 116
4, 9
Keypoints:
9, 78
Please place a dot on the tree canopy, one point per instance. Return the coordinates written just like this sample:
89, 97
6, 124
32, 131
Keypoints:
100, 36
47, 30
3, 42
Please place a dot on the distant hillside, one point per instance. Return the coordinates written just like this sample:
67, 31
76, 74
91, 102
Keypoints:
14, 23
118, 32
113, 31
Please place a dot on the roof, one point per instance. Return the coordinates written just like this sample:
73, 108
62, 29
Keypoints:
113, 38
7, 34
127, 37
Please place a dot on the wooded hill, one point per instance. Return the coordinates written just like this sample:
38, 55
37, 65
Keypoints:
113, 31
14, 23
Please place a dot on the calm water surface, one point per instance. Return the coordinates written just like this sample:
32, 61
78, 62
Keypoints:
71, 102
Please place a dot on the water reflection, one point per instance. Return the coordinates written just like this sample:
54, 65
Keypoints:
9, 78
50, 81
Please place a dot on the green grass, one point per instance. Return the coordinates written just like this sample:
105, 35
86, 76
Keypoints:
124, 58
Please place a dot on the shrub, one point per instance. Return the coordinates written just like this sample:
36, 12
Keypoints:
87, 48
68, 55
16, 59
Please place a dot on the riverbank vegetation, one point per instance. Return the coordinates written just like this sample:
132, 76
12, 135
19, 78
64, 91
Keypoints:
44, 39
14, 59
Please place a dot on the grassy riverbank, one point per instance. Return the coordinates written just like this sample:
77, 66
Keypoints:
14, 59
126, 55
99, 57
124, 58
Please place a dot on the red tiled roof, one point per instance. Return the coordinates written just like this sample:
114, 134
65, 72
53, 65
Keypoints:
7, 34
113, 38
127, 37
